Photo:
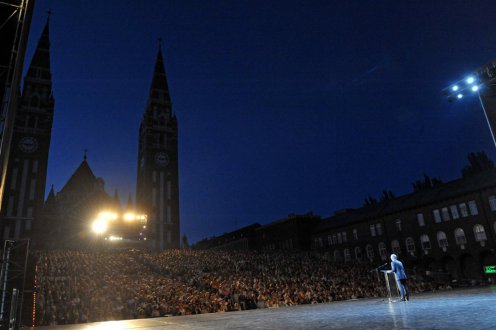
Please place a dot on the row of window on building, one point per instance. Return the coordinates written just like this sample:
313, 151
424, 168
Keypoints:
447, 213
454, 211
425, 244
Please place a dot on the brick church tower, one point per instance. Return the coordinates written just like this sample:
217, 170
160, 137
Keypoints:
157, 191
27, 166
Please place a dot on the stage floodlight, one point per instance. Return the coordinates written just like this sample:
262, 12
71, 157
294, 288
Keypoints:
479, 80
129, 216
99, 226
108, 216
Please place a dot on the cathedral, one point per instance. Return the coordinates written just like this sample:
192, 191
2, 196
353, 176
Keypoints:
27, 165
62, 220
157, 189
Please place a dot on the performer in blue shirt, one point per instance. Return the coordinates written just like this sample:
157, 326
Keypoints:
400, 275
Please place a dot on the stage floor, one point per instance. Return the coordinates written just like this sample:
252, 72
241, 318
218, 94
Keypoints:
459, 309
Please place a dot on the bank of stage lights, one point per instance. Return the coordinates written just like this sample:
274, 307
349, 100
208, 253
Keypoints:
462, 88
105, 219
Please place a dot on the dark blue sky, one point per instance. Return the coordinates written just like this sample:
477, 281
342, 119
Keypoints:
283, 106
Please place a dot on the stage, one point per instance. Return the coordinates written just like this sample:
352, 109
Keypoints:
457, 309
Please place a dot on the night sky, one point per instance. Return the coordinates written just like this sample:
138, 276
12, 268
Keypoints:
283, 106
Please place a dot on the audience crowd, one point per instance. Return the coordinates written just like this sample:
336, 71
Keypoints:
84, 286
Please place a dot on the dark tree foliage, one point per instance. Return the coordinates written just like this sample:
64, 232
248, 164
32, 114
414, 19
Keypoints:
370, 201
478, 162
426, 183
184, 242
387, 195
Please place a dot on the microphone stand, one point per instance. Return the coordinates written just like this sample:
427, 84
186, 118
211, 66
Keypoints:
376, 270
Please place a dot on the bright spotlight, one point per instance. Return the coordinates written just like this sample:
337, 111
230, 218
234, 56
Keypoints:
475, 88
107, 216
459, 96
470, 80
129, 216
454, 88
99, 226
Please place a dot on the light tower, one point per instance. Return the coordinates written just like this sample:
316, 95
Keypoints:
481, 82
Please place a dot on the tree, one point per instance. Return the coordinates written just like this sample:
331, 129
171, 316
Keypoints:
478, 162
387, 195
426, 183
184, 242
370, 201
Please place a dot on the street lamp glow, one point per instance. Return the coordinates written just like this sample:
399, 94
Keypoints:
454, 88
459, 96
475, 88
470, 80
99, 226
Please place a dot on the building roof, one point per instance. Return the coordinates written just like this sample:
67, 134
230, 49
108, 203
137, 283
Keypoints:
442, 192
82, 179
291, 217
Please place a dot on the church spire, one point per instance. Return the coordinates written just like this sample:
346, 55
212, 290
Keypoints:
129, 205
117, 201
39, 68
159, 90
51, 196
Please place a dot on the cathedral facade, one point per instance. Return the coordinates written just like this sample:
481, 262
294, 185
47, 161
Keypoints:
25, 180
63, 216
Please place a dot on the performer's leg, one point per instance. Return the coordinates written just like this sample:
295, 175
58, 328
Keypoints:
401, 288
407, 290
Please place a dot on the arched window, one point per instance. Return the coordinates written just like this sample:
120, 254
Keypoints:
358, 253
370, 251
460, 236
410, 244
347, 255
395, 247
425, 242
337, 255
480, 233
383, 251
442, 240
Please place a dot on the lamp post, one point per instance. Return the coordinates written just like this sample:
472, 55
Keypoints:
480, 82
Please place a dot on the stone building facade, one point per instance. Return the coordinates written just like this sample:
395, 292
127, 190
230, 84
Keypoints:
447, 230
